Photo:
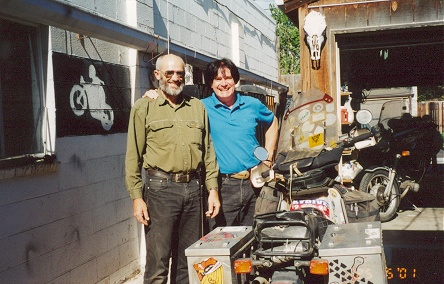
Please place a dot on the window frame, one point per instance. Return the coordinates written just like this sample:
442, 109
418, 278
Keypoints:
43, 124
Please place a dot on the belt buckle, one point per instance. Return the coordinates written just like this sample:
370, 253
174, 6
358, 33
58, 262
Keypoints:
181, 178
241, 175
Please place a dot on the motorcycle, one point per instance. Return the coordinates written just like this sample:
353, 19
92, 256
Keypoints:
309, 200
396, 164
311, 216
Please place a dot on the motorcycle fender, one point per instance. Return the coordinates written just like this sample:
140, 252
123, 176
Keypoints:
371, 170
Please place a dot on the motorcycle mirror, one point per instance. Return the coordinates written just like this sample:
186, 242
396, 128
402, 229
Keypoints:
261, 153
364, 116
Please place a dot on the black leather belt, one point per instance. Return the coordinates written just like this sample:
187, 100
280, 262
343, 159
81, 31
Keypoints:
173, 177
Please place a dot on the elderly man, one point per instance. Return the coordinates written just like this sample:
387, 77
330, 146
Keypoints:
169, 137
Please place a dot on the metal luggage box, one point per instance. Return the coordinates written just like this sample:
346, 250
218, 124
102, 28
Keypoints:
210, 260
355, 253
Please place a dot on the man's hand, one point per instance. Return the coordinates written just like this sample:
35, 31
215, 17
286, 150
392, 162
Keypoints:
268, 163
213, 204
141, 211
152, 94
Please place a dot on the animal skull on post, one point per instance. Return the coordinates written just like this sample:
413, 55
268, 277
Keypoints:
315, 36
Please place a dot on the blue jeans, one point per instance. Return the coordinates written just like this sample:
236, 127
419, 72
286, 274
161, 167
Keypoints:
238, 199
175, 215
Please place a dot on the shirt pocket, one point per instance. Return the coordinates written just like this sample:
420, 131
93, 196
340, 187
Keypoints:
196, 132
161, 132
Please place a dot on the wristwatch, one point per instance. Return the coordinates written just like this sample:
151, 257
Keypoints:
214, 188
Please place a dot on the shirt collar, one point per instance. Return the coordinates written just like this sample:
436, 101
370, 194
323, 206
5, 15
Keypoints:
163, 101
239, 101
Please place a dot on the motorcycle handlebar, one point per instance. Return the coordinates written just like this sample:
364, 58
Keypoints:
352, 141
265, 174
374, 132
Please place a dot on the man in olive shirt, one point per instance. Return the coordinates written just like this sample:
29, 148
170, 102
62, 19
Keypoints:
169, 137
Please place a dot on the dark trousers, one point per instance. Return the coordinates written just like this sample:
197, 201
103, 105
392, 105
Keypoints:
174, 211
238, 199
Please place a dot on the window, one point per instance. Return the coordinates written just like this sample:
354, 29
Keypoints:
22, 115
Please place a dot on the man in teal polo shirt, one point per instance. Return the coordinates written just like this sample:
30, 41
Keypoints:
233, 124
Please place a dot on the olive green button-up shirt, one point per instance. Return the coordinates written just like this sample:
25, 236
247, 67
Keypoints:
174, 140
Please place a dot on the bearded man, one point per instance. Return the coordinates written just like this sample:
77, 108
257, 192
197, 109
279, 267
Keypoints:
169, 138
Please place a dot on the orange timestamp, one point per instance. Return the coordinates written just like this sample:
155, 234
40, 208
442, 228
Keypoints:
401, 273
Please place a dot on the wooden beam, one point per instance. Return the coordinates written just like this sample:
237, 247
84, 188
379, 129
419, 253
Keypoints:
291, 5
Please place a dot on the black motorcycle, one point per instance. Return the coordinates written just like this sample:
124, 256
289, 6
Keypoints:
400, 158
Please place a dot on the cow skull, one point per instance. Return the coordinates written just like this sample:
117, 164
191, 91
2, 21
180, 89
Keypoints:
315, 36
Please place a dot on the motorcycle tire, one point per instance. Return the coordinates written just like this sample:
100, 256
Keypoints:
375, 183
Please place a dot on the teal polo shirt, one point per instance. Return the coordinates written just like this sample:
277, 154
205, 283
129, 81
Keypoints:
233, 131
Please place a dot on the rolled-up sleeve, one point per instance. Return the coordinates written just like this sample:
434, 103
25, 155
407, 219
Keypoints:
135, 148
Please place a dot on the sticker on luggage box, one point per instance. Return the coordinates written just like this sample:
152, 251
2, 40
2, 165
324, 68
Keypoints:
319, 204
209, 271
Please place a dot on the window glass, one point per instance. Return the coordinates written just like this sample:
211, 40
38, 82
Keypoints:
20, 94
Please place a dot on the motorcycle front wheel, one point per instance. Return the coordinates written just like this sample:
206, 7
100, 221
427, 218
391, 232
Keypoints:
375, 184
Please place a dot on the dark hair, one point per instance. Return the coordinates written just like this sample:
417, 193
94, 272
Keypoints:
213, 68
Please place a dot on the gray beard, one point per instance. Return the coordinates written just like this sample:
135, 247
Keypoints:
169, 91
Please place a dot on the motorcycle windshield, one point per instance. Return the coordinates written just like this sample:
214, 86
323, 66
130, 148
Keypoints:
308, 116
393, 109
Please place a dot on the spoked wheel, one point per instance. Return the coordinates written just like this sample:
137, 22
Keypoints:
375, 184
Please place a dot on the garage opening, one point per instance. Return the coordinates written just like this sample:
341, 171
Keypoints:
392, 58
406, 62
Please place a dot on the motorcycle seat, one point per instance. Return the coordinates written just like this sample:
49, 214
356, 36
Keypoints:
321, 159
403, 123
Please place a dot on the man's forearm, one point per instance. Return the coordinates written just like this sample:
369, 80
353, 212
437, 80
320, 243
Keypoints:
271, 137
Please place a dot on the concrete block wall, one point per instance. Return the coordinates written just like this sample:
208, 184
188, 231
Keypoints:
67, 42
206, 28
74, 225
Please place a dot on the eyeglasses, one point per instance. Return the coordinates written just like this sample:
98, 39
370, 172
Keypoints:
170, 73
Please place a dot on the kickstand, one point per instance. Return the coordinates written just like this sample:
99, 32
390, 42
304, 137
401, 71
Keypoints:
414, 206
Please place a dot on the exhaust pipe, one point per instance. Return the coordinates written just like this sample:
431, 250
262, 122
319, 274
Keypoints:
260, 280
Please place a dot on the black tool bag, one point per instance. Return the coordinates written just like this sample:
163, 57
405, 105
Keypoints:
291, 233
311, 179
361, 206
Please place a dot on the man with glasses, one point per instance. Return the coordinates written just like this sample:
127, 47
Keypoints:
169, 137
